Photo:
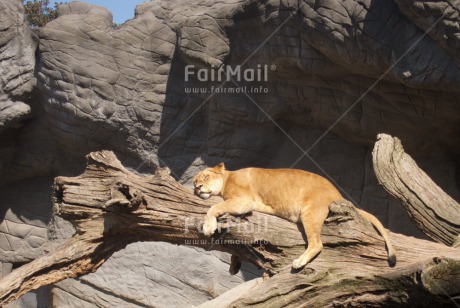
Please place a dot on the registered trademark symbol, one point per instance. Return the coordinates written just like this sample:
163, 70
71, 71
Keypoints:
273, 67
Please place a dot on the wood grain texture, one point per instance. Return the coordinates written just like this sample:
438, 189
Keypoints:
434, 212
112, 207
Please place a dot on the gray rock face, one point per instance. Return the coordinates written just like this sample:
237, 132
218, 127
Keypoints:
17, 56
26, 210
318, 82
17, 64
116, 78
131, 278
440, 17
12, 113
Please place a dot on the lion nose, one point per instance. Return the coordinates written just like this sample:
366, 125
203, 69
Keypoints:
199, 186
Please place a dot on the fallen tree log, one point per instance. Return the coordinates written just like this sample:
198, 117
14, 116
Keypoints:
111, 207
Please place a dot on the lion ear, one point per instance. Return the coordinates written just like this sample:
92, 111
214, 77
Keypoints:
221, 166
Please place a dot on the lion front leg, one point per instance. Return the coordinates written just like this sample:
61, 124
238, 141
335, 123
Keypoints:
232, 206
210, 225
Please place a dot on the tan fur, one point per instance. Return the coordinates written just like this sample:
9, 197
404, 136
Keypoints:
292, 194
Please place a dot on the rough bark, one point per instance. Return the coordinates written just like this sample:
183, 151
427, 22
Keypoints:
111, 207
434, 212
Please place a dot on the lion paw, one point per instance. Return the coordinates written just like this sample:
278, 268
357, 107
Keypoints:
298, 263
210, 225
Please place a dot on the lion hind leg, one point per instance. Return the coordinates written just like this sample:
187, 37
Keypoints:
312, 220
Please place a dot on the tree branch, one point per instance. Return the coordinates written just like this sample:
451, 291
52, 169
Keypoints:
111, 207
434, 212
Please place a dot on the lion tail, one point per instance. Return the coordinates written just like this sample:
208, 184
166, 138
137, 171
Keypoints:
378, 225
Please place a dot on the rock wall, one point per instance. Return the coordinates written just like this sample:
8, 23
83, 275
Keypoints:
332, 76
17, 64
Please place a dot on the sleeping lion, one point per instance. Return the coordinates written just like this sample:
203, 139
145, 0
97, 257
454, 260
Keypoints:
292, 194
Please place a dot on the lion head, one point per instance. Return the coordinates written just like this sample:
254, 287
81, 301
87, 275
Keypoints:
209, 182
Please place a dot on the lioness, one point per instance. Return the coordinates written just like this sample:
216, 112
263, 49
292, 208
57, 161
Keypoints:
291, 194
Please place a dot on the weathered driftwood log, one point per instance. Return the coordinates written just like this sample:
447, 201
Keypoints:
434, 211
112, 207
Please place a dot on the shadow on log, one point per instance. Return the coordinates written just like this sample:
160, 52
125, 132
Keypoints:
111, 207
